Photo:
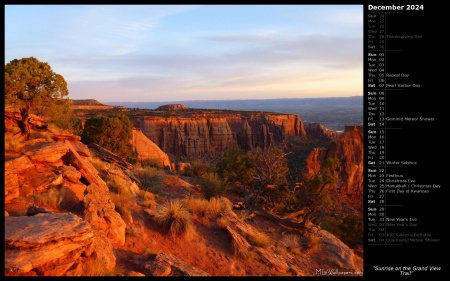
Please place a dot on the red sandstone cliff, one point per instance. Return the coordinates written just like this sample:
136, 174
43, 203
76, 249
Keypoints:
349, 149
318, 131
146, 149
204, 135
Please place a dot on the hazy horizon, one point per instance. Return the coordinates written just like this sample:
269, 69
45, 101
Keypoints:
334, 113
173, 53
217, 100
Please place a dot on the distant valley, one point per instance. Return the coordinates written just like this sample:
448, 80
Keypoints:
333, 113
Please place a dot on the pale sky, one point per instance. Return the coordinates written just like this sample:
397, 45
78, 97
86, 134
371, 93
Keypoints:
152, 53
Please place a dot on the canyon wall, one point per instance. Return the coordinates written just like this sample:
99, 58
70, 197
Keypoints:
318, 131
349, 150
211, 135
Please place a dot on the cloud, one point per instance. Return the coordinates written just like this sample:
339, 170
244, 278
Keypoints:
155, 52
283, 65
117, 30
246, 37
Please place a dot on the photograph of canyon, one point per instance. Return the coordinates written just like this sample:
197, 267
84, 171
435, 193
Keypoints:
183, 140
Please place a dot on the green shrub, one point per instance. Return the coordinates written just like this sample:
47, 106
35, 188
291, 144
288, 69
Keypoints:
197, 169
330, 224
236, 166
113, 133
64, 119
212, 185
76, 126
152, 179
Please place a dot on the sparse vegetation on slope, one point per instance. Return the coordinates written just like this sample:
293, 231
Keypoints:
261, 173
212, 185
147, 199
208, 208
177, 218
152, 179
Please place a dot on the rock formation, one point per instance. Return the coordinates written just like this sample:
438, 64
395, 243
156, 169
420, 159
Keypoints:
54, 244
172, 107
146, 149
238, 231
337, 251
318, 131
107, 156
98, 207
348, 149
63, 244
89, 104
12, 116
62, 166
212, 134
13, 169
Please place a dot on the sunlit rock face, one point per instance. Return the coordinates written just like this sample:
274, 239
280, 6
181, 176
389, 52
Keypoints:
146, 149
349, 150
213, 134
54, 244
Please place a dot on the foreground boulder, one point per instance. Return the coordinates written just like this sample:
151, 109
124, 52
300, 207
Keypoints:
47, 152
99, 209
238, 231
13, 168
55, 244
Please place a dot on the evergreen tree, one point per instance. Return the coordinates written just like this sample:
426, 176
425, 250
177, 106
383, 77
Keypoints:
111, 132
33, 87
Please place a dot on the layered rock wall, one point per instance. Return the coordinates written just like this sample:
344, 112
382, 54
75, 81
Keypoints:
200, 136
348, 149
318, 131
